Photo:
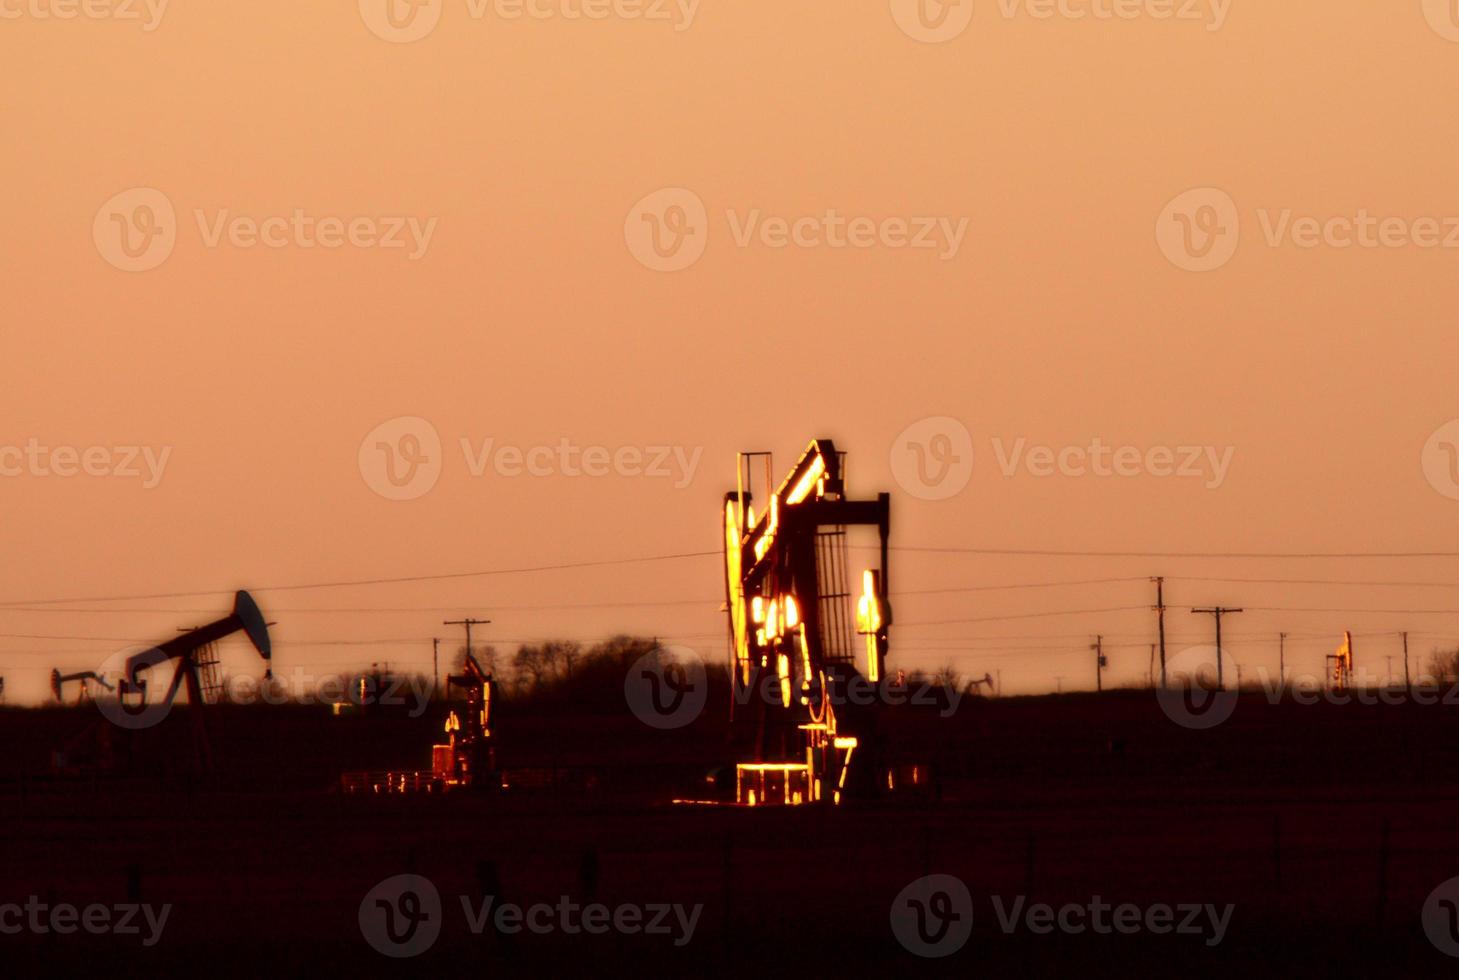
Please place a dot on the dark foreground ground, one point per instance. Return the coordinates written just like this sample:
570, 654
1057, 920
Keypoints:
1326, 827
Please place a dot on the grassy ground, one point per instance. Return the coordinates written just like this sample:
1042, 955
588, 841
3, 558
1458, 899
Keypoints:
1325, 826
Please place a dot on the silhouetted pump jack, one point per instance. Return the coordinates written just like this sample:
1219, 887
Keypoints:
60, 680
187, 650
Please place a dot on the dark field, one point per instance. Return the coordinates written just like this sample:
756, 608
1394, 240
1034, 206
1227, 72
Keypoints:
1325, 826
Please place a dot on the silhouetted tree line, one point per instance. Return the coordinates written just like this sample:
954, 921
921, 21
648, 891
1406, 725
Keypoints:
565, 671
1444, 664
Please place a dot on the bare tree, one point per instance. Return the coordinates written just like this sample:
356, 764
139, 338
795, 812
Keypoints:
1444, 664
532, 665
486, 656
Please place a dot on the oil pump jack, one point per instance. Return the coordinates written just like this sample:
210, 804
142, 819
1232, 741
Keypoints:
83, 691
195, 666
793, 616
469, 758
92, 750
1341, 663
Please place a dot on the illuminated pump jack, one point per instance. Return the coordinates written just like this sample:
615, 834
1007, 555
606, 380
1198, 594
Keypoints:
469, 758
193, 652
794, 615
1342, 663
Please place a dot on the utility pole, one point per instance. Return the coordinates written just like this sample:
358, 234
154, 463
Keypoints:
1150, 672
1218, 612
1059, 681
1282, 660
468, 622
1098, 647
436, 664
1406, 682
1160, 608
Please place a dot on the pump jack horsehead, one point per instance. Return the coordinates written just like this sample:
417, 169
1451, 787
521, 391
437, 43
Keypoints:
792, 612
195, 667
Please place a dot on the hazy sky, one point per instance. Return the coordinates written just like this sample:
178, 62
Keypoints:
508, 157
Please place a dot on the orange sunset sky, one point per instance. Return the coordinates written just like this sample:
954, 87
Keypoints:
531, 316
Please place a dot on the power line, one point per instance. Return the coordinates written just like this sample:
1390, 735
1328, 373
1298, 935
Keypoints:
1057, 553
1037, 615
398, 580
1316, 581
53, 605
